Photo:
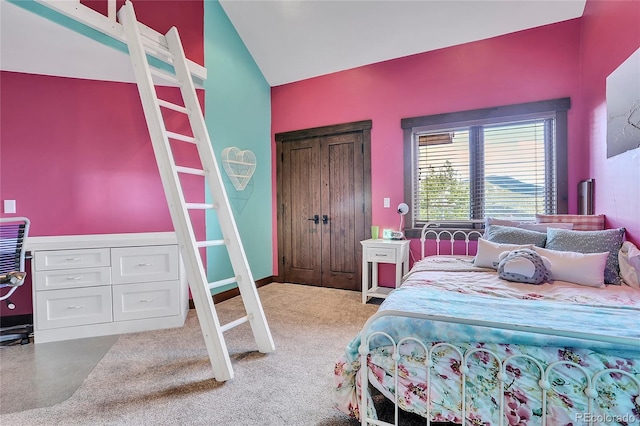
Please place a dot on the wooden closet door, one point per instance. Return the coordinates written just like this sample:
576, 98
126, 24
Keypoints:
301, 202
323, 171
342, 194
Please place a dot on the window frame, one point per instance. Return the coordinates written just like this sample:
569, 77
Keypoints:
559, 107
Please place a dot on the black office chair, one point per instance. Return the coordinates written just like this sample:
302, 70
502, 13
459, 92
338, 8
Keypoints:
13, 233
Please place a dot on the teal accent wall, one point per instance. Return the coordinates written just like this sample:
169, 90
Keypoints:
238, 114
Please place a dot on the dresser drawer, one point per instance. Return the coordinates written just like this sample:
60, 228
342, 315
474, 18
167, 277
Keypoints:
144, 264
72, 278
381, 254
73, 307
146, 300
71, 259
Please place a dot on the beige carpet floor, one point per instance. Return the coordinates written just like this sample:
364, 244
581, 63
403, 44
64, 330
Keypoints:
164, 377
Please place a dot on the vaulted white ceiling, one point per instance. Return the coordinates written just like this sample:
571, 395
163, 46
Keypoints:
292, 40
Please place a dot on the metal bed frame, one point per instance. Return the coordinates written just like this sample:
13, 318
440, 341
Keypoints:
502, 363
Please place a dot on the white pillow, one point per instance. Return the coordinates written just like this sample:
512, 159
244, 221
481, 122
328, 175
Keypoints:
489, 252
580, 268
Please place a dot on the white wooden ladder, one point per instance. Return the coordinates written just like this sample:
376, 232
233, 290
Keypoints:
170, 174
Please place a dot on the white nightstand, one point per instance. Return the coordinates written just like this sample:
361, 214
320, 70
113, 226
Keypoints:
382, 251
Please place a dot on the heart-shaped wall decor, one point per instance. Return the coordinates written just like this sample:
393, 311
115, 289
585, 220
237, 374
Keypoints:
239, 166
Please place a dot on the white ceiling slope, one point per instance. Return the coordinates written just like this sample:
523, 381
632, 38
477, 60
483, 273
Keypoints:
292, 40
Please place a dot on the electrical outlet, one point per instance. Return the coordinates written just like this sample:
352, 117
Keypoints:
387, 203
9, 206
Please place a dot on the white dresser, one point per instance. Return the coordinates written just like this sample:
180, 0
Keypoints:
95, 285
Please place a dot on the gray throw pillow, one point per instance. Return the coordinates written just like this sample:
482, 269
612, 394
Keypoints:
591, 242
512, 235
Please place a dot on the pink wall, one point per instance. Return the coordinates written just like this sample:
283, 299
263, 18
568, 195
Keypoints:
532, 65
76, 154
610, 34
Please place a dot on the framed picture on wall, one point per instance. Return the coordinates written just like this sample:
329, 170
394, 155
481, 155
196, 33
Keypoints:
623, 107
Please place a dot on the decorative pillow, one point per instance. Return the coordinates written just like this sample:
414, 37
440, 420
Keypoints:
591, 242
531, 226
523, 266
542, 227
497, 221
629, 259
584, 269
488, 253
511, 235
594, 222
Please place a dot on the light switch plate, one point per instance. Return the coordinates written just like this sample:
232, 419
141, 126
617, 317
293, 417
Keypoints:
387, 202
9, 206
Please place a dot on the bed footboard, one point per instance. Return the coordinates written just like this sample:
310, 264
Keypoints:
496, 384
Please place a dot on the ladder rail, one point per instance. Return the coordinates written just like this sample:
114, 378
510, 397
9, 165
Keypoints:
210, 325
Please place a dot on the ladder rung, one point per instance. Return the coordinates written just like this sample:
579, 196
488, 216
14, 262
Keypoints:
220, 283
149, 35
163, 75
169, 105
157, 51
191, 171
183, 138
200, 206
233, 324
211, 243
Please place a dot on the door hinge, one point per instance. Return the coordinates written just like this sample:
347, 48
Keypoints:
362, 148
282, 157
283, 260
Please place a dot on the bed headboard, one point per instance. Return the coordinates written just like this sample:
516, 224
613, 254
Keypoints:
442, 236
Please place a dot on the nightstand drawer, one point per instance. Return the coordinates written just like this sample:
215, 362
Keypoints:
72, 278
147, 300
71, 259
144, 264
381, 254
73, 307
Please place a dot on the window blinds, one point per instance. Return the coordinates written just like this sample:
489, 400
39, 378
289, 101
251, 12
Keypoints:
483, 170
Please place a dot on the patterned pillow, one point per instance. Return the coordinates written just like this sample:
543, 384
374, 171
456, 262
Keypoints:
523, 266
591, 242
512, 235
593, 222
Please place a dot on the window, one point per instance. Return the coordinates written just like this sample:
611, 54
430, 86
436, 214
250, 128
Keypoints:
496, 162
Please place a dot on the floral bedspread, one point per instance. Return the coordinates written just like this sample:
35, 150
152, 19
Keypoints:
566, 309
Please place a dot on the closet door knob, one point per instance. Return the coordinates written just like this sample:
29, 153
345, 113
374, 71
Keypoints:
315, 219
325, 219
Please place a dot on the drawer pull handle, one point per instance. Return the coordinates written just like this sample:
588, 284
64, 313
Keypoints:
74, 278
146, 300
75, 307
74, 259
145, 264
380, 255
